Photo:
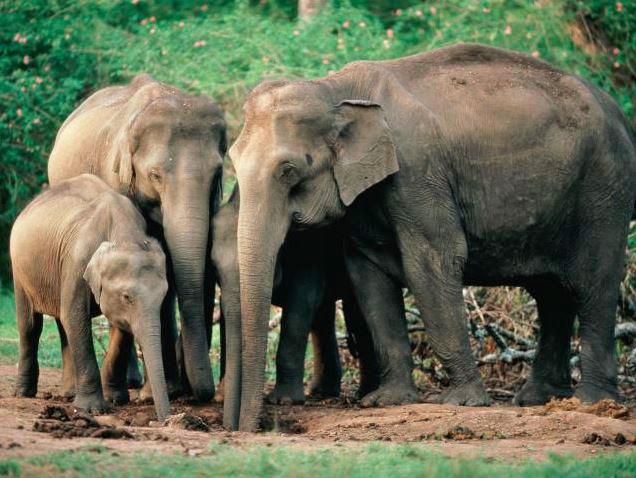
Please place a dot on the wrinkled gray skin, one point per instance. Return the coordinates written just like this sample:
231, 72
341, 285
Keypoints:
465, 165
310, 277
78, 250
164, 149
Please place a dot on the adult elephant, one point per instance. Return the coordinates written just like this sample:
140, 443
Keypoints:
164, 149
465, 165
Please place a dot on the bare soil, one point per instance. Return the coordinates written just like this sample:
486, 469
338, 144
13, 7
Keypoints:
48, 423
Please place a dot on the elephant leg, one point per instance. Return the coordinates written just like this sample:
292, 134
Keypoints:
115, 366
597, 299
380, 300
550, 375
30, 329
290, 357
76, 320
133, 374
434, 273
367, 362
68, 370
327, 371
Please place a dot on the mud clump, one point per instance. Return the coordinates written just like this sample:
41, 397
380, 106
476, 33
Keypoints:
459, 433
603, 408
598, 439
185, 421
288, 425
59, 423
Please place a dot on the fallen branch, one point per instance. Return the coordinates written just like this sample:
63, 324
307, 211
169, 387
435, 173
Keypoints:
625, 330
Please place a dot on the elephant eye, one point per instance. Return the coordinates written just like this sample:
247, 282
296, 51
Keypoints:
127, 298
287, 171
154, 176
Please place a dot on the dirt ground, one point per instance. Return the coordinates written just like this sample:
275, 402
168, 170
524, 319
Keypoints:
502, 431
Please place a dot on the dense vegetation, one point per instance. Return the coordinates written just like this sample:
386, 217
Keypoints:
53, 53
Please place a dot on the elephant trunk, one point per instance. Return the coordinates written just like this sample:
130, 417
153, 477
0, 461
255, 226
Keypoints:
149, 337
186, 228
260, 236
231, 307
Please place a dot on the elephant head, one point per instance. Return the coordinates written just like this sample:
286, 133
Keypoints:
305, 153
167, 155
128, 281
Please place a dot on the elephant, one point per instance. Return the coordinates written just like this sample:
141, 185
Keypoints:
466, 165
310, 277
78, 250
164, 149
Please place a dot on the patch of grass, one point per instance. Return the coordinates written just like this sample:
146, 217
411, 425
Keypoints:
369, 461
49, 354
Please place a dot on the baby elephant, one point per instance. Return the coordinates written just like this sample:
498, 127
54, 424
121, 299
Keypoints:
310, 277
79, 237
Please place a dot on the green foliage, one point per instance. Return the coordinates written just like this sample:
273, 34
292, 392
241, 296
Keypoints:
366, 461
53, 53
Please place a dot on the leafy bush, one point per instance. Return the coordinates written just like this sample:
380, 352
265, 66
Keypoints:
54, 53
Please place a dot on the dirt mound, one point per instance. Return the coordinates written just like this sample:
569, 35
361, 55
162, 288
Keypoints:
604, 408
60, 423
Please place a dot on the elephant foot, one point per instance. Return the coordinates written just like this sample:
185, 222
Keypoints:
202, 394
174, 391
472, 394
391, 394
219, 396
324, 389
366, 387
539, 393
145, 393
286, 395
134, 382
25, 390
591, 393
116, 396
67, 390
91, 404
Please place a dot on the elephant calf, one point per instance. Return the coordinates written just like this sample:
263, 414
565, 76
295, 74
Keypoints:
310, 277
76, 238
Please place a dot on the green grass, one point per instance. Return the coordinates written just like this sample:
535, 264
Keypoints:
49, 351
365, 462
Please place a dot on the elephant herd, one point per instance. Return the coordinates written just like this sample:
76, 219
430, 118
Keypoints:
467, 165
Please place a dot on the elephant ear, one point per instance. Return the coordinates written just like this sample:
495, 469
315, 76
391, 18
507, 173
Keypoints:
93, 272
120, 156
365, 151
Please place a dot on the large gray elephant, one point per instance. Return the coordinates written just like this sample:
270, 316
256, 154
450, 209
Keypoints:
164, 149
78, 250
464, 165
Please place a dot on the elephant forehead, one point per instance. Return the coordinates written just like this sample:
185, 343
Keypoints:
291, 99
184, 110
